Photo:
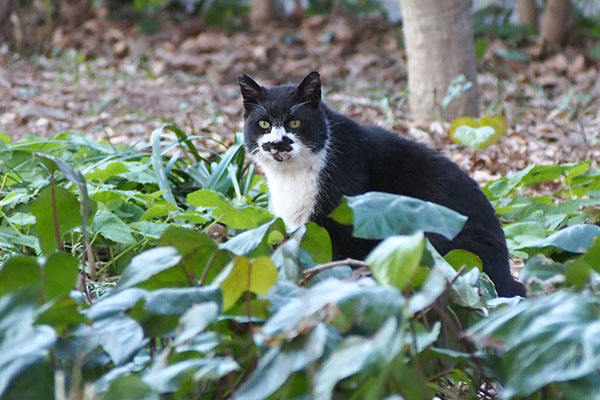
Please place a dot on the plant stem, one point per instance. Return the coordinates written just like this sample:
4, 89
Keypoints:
309, 273
55, 213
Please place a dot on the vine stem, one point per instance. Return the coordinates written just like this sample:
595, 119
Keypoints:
309, 273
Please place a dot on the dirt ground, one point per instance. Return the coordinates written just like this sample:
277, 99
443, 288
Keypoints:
110, 82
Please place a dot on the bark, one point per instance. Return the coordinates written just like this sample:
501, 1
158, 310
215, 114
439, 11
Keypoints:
261, 12
554, 22
6, 9
528, 12
438, 36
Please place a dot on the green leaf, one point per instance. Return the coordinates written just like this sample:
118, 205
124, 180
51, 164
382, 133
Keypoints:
462, 258
158, 167
148, 264
195, 320
112, 227
34, 382
542, 268
67, 211
198, 251
575, 239
261, 272
219, 178
186, 241
75, 177
9, 239
553, 338
60, 314
378, 215
22, 344
254, 240
149, 229
481, 46
120, 336
110, 170
175, 301
457, 87
115, 303
395, 260
366, 306
60, 272
245, 217
170, 378
317, 243
17, 273
512, 55
478, 134
279, 363
129, 387
357, 354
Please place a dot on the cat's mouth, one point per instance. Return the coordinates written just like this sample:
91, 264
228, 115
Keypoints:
281, 157
280, 151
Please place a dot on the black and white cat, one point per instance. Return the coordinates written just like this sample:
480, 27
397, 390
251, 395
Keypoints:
312, 156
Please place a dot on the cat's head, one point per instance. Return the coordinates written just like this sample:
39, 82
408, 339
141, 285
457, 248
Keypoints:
284, 125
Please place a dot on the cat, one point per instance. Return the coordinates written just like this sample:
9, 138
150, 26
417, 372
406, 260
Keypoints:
312, 156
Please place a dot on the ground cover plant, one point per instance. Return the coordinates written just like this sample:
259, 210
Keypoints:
155, 272
139, 260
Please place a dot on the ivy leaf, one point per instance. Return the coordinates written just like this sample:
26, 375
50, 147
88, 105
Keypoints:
278, 363
60, 272
17, 273
112, 227
553, 338
395, 260
459, 258
148, 264
478, 134
263, 275
317, 243
377, 215
245, 217
110, 170
575, 239
67, 211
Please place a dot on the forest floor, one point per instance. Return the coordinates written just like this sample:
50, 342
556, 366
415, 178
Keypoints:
110, 82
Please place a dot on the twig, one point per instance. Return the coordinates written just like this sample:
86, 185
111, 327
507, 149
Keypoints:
209, 264
309, 273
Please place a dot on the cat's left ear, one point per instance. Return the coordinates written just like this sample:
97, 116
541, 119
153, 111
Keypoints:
252, 92
310, 87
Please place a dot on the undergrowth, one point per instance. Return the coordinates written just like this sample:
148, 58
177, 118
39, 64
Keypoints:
157, 272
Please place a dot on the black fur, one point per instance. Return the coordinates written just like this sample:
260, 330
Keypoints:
367, 158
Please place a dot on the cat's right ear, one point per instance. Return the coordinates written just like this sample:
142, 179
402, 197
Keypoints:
252, 92
310, 87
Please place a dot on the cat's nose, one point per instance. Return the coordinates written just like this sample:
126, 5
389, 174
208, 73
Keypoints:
284, 145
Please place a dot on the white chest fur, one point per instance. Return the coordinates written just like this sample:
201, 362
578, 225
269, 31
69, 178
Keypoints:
293, 192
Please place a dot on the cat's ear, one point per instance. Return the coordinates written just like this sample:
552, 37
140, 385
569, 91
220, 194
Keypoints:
252, 92
310, 87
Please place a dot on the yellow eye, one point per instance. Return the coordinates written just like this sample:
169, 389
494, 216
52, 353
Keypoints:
264, 124
294, 123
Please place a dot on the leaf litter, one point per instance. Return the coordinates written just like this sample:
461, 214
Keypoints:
113, 83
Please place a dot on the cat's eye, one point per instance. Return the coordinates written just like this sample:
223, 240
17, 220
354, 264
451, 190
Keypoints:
264, 124
294, 123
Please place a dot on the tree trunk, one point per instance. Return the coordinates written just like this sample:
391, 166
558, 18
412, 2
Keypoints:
438, 36
554, 22
261, 12
528, 12
6, 9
